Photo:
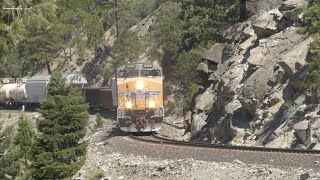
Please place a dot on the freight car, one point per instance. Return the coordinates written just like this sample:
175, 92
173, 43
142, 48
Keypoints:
140, 97
16, 93
100, 98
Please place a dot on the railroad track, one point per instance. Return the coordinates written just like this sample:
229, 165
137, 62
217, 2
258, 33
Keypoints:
155, 139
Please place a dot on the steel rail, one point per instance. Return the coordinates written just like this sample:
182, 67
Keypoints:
162, 141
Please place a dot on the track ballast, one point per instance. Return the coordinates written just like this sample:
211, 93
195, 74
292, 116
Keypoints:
155, 139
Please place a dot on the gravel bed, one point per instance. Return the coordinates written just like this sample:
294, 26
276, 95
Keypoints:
120, 157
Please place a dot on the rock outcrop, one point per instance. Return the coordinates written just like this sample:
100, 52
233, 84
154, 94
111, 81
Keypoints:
255, 93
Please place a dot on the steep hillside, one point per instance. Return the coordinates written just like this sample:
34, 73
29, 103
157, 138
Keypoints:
252, 91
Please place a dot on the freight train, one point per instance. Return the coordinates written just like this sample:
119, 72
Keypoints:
136, 93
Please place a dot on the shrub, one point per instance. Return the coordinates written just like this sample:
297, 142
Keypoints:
99, 122
96, 175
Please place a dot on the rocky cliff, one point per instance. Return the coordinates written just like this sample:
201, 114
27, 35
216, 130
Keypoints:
251, 85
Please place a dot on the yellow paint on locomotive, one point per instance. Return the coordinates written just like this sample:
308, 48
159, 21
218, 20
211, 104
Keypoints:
140, 93
140, 97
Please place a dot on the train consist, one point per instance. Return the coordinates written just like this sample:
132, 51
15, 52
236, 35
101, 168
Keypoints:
140, 97
29, 92
136, 93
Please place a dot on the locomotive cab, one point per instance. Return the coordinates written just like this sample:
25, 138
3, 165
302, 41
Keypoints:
140, 97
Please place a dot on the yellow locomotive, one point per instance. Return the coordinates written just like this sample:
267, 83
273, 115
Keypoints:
140, 97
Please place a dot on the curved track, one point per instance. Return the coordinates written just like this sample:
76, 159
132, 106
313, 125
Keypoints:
155, 139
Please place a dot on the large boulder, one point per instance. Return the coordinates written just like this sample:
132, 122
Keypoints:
303, 132
270, 49
223, 131
214, 55
235, 33
293, 60
267, 24
231, 78
258, 6
291, 9
198, 121
204, 102
203, 70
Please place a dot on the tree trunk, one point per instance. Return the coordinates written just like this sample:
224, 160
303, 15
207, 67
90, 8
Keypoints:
243, 10
48, 67
65, 53
314, 96
117, 19
70, 55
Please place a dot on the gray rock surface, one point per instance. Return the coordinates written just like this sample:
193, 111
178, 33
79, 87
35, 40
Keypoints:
258, 88
291, 9
303, 132
267, 23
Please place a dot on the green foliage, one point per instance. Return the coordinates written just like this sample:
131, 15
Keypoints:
58, 151
123, 13
168, 28
25, 136
108, 73
127, 48
58, 86
312, 28
170, 108
99, 122
189, 92
9, 154
204, 20
186, 63
96, 175
33, 38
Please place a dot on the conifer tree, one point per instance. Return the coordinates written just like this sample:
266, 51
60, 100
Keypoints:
59, 151
312, 28
9, 154
24, 137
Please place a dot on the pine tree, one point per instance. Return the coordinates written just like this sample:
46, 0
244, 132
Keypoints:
59, 150
9, 154
312, 28
24, 137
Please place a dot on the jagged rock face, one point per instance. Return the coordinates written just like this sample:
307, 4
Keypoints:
257, 6
292, 9
257, 89
268, 23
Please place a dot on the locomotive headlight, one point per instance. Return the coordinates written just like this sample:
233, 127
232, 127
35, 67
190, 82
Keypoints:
139, 84
129, 105
152, 104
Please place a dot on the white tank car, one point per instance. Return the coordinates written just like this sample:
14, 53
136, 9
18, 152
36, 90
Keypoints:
2, 93
19, 93
5, 91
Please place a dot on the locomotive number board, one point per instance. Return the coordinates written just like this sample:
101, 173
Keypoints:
130, 66
147, 66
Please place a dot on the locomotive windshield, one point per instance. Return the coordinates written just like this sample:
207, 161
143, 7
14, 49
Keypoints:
153, 73
128, 73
